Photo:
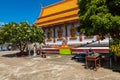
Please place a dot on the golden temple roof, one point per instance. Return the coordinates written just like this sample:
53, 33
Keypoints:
61, 12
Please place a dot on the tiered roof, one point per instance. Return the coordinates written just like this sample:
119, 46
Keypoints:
58, 13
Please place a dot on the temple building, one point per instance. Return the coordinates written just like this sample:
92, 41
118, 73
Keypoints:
60, 20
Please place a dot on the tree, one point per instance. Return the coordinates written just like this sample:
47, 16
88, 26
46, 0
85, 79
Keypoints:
20, 34
100, 17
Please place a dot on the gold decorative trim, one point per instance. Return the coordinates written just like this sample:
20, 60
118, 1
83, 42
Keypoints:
88, 37
49, 39
73, 38
60, 39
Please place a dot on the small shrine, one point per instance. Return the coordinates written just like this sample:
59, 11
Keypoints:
65, 49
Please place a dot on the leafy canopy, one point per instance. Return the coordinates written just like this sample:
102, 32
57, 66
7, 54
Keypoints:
20, 34
99, 17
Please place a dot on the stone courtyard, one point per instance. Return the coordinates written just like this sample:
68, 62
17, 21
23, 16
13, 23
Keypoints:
54, 67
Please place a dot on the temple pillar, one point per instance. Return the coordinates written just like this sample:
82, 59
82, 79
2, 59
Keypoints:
80, 37
44, 30
54, 34
66, 33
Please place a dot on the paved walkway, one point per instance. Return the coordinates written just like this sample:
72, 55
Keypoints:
54, 67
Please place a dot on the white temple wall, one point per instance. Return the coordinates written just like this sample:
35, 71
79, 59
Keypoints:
70, 41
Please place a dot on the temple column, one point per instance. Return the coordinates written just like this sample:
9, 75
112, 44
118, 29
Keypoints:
80, 37
44, 30
54, 34
66, 32
80, 34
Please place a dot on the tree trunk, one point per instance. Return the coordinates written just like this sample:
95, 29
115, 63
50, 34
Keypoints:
22, 48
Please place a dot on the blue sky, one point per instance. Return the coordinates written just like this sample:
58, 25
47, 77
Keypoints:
22, 10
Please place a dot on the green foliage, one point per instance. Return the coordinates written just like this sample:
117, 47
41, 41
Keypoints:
99, 17
114, 6
20, 34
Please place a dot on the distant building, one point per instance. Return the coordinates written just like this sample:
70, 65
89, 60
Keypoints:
59, 21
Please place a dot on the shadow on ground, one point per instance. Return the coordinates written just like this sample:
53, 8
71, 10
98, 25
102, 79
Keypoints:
18, 54
10, 55
105, 63
115, 65
15, 55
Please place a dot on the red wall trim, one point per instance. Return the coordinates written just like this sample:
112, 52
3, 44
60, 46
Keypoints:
79, 50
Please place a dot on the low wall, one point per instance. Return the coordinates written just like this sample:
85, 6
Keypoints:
76, 50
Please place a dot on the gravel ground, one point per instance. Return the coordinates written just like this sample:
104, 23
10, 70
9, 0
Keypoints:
54, 67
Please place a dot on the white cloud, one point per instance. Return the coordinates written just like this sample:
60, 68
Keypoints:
2, 23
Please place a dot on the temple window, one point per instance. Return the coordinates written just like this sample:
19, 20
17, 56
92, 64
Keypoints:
73, 32
60, 32
49, 34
